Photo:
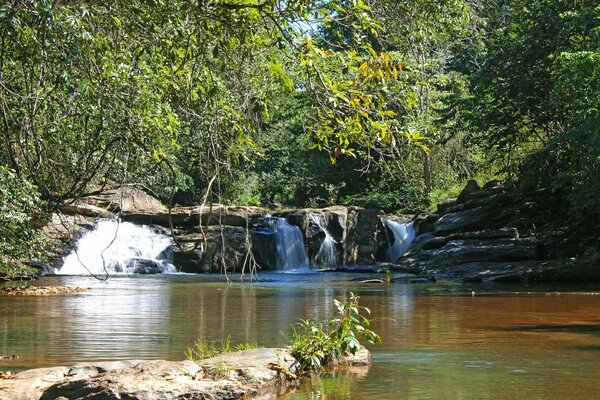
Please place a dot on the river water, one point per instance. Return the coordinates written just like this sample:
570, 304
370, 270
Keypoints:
440, 341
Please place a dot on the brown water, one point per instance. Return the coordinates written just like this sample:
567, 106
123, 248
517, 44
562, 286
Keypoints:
439, 341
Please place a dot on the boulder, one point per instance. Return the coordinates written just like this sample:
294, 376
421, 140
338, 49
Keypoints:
113, 199
424, 223
239, 375
143, 266
361, 236
443, 207
467, 220
471, 187
218, 249
236, 376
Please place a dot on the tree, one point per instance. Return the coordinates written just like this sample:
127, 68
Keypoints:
536, 95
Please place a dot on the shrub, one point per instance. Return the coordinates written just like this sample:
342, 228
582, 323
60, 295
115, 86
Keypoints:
315, 347
19, 201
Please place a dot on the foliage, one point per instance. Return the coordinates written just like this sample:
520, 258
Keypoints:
315, 347
205, 349
19, 202
535, 100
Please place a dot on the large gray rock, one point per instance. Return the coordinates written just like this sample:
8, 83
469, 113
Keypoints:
361, 236
471, 250
239, 375
467, 220
216, 250
234, 376
114, 199
193, 217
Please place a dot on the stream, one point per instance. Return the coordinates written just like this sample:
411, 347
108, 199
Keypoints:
441, 340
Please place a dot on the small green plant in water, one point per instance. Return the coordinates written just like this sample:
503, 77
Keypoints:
206, 349
315, 347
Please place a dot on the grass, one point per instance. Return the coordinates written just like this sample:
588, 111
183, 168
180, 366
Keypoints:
203, 349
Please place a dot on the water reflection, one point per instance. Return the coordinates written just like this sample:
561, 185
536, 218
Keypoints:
449, 346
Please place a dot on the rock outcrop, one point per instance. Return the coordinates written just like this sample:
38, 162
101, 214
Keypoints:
475, 237
217, 238
260, 373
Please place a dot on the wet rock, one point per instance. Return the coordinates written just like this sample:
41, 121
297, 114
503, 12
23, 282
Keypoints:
218, 249
499, 272
361, 242
264, 249
414, 279
143, 266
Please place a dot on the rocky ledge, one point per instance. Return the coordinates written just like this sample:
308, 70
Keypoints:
259, 373
488, 235
39, 290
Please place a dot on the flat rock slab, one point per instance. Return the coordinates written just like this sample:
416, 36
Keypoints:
40, 290
231, 376
238, 375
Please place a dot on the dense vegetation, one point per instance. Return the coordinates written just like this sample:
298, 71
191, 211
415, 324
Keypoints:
296, 103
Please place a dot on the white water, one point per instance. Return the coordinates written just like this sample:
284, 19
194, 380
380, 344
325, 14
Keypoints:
289, 245
404, 234
326, 256
117, 247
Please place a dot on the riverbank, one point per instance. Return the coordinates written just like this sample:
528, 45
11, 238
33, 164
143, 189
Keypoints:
257, 373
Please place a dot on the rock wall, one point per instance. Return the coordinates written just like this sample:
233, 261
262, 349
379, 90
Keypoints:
474, 237
219, 238
485, 234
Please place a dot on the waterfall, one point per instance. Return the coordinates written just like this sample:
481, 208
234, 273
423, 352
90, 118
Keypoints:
289, 244
404, 234
326, 256
120, 247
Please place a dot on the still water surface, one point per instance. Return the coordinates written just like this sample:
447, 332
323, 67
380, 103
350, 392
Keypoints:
439, 341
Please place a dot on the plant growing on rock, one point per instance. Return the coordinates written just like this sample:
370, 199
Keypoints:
315, 347
205, 349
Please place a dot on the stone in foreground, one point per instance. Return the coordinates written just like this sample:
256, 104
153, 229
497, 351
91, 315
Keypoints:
240, 375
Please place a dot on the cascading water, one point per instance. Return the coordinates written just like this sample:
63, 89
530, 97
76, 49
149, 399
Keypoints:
117, 247
404, 234
326, 256
289, 244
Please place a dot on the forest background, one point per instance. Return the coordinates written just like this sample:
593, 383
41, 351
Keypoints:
382, 104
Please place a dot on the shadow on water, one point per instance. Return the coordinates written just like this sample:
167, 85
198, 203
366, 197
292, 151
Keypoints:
571, 328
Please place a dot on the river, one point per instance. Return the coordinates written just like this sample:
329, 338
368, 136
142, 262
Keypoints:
444, 340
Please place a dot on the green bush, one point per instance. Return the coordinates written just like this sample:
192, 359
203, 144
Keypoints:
315, 347
19, 241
